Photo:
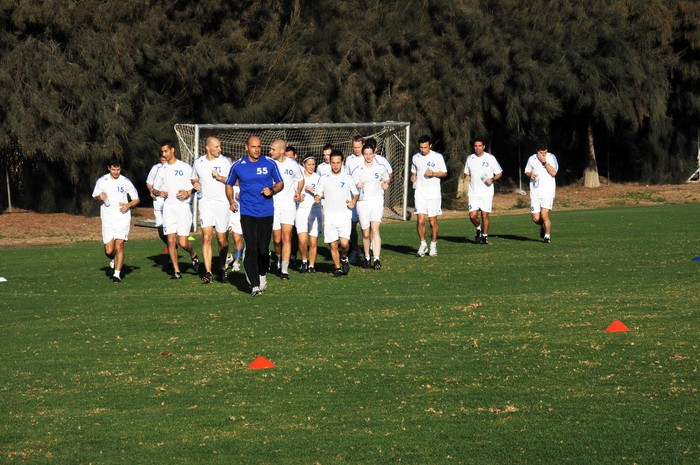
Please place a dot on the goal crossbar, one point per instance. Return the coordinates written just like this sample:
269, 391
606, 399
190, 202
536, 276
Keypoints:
309, 139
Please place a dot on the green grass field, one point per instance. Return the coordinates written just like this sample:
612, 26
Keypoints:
484, 355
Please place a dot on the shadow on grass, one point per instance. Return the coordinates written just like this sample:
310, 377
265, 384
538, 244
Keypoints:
512, 237
401, 249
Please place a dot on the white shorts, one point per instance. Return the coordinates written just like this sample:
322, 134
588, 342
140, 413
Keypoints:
430, 207
370, 211
234, 222
482, 202
112, 230
286, 216
214, 214
177, 219
538, 203
334, 231
308, 220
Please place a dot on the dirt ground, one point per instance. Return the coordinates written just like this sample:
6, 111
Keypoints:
21, 228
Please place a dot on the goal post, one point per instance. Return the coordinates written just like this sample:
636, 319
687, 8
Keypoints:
309, 139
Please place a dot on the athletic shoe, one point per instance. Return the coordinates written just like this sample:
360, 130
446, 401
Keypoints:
433, 249
541, 231
311, 270
485, 240
236, 266
304, 268
255, 292
365, 264
176, 275
477, 236
377, 264
207, 278
116, 279
345, 265
110, 272
422, 250
223, 275
263, 283
337, 273
195, 263
284, 276
229, 260
547, 240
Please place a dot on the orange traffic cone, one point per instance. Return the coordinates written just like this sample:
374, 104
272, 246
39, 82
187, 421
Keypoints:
261, 363
616, 327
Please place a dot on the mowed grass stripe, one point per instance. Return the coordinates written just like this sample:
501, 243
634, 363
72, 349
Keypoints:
485, 354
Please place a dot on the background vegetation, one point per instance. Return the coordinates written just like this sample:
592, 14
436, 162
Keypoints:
609, 82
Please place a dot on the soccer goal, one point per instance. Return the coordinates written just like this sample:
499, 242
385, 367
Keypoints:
308, 139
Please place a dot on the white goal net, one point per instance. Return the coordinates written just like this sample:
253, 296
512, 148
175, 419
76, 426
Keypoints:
309, 139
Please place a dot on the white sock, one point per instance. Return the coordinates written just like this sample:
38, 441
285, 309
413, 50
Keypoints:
116, 273
285, 267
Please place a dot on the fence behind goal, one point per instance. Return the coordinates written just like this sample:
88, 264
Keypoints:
308, 139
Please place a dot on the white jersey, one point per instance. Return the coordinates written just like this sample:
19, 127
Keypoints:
427, 188
480, 169
371, 178
337, 190
150, 180
310, 184
544, 185
173, 178
291, 175
324, 169
212, 190
116, 190
352, 162
384, 162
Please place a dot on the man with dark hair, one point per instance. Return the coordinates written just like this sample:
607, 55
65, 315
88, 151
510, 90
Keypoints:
173, 184
481, 169
325, 167
541, 168
340, 194
259, 180
427, 168
118, 196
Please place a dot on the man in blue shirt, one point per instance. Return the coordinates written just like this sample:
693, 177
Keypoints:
259, 179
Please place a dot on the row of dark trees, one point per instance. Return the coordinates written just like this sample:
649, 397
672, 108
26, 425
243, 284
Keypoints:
609, 82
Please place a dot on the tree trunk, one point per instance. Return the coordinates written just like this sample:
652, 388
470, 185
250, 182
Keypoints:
590, 172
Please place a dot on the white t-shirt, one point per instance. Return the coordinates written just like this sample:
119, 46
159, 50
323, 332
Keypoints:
427, 188
382, 160
116, 190
372, 178
173, 178
212, 190
151, 179
310, 184
324, 169
480, 169
544, 185
353, 161
291, 175
337, 190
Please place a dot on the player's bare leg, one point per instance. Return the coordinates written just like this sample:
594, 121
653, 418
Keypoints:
433, 229
222, 239
303, 246
207, 236
286, 232
313, 249
420, 226
335, 254
172, 251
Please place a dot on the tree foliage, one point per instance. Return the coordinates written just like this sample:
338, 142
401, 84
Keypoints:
81, 81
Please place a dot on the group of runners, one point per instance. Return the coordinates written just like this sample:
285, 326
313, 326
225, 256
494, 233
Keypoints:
281, 199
